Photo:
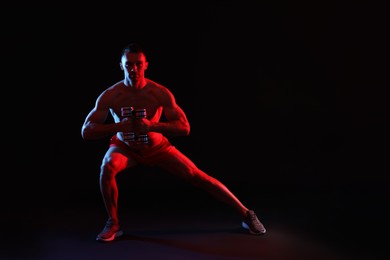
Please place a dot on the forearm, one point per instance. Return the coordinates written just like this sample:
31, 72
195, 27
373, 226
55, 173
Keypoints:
93, 131
173, 128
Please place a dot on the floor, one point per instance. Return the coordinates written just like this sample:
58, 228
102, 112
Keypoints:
200, 228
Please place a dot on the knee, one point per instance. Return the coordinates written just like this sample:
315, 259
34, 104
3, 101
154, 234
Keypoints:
202, 180
109, 168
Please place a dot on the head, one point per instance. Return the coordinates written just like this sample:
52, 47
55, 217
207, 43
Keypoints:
133, 63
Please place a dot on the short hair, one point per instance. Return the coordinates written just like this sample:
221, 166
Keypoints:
133, 48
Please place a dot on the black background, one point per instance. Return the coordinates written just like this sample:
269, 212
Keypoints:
288, 103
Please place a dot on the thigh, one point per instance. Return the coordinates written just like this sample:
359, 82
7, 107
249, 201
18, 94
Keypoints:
177, 163
118, 159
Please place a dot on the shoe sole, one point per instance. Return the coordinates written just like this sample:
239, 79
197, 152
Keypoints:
111, 238
245, 226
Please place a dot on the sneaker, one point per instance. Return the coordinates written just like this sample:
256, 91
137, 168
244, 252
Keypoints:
253, 224
110, 232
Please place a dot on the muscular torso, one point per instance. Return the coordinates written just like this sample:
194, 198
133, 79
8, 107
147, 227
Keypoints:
145, 98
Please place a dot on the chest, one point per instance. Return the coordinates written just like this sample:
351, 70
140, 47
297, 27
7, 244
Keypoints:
137, 101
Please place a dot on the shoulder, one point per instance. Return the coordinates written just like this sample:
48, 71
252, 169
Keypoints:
118, 86
110, 93
156, 87
113, 89
160, 92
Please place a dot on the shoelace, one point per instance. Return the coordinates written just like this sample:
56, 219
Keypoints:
255, 221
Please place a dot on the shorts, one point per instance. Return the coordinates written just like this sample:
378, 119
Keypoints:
153, 156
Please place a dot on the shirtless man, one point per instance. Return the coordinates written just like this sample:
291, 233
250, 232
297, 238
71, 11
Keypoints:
148, 144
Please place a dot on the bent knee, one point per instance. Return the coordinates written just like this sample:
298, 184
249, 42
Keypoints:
112, 167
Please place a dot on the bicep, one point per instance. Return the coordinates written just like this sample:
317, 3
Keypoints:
172, 111
96, 115
99, 113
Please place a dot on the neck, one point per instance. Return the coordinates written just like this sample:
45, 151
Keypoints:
135, 84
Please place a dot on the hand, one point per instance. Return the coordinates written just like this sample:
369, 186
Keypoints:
142, 125
127, 124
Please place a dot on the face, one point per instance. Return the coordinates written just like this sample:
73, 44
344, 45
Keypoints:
134, 66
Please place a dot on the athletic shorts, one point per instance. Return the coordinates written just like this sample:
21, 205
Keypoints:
155, 155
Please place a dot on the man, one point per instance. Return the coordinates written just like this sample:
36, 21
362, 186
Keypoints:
136, 104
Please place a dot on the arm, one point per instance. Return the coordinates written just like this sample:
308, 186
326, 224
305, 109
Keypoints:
94, 126
177, 123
